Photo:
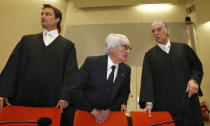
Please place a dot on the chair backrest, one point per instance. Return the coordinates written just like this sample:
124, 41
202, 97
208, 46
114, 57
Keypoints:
20, 113
116, 118
142, 118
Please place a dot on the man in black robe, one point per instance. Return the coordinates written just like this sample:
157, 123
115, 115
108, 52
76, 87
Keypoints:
41, 68
171, 78
103, 82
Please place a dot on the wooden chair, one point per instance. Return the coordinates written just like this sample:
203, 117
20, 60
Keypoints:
142, 118
20, 113
116, 118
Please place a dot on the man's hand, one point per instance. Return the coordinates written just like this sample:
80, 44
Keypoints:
148, 109
2, 101
104, 114
192, 88
100, 115
96, 113
62, 104
123, 108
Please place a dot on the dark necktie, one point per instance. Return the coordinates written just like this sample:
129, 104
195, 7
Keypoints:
111, 75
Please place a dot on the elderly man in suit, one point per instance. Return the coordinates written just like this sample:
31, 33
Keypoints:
103, 82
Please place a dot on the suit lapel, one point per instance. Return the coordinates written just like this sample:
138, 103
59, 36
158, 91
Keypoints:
119, 74
171, 49
104, 66
40, 39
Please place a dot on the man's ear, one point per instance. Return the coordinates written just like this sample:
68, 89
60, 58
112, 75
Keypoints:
57, 19
111, 50
168, 31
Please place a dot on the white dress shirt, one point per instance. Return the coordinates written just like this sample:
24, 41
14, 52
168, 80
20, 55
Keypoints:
165, 48
109, 68
50, 36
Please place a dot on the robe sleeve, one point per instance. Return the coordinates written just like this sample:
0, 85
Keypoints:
146, 91
70, 72
78, 87
9, 74
196, 70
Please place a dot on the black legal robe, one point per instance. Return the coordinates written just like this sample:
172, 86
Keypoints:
164, 82
39, 75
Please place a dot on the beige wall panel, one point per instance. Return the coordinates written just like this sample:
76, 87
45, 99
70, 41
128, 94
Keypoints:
90, 39
202, 10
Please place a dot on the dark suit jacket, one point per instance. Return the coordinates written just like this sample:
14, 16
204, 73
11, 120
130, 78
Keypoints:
92, 90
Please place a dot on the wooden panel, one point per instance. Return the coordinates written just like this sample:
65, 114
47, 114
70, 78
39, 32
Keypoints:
138, 85
132, 102
135, 89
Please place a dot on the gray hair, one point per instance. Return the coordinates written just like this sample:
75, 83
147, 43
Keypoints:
114, 40
160, 22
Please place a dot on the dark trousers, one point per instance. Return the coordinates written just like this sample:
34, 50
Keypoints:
187, 119
67, 117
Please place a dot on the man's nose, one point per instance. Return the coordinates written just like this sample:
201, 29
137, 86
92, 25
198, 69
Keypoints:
128, 50
43, 15
156, 32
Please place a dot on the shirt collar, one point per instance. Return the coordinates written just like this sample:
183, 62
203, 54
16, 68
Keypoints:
110, 63
165, 47
53, 33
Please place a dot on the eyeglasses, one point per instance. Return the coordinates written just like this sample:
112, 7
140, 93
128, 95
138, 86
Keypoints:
126, 47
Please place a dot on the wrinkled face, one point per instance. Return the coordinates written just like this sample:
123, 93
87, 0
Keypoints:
160, 33
121, 52
48, 19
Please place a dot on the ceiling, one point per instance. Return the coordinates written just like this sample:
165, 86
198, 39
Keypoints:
107, 3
